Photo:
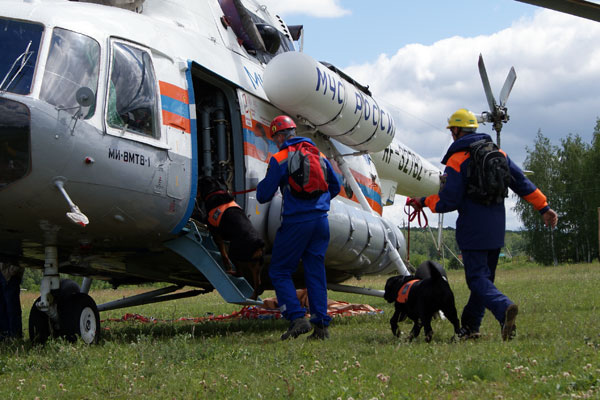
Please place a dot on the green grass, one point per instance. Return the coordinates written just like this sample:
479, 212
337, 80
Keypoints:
555, 354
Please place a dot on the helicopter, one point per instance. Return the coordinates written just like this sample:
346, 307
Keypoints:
112, 110
579, 8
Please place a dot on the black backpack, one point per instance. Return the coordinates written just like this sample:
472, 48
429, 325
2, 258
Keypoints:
307, 171
488, 175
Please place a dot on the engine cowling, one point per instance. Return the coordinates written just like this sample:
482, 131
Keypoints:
359, 241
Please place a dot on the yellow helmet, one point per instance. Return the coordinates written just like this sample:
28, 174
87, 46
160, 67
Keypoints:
462, 119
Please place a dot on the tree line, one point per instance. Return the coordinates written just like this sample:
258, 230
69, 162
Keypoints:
423, 244
568, 175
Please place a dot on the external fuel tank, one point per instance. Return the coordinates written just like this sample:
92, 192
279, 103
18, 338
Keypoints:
305, 88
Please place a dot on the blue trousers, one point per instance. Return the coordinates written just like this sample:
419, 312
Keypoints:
10, 307
480, 272
307, 240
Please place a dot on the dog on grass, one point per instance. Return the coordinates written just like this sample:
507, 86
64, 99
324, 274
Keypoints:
228, 222
419, 299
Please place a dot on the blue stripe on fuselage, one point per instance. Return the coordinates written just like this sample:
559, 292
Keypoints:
194, 161
176, 106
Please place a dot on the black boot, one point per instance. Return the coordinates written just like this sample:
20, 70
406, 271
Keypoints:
509, 328
467, 332
297, 327
320, 333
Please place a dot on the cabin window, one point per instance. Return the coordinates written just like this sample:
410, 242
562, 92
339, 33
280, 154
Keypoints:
132, 99
19, 46
72, 64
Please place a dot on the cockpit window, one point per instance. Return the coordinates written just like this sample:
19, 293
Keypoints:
132, 101
72, 64
19, 46
275, 41
260, 39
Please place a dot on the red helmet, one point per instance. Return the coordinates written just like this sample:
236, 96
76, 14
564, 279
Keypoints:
280, 123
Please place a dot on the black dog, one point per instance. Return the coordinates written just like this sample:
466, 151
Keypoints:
228, 222
420, 299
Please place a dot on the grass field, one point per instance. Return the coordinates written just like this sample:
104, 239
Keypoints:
555, 353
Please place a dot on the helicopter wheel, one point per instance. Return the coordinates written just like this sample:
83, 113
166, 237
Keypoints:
39, 325
79, 316
67, 288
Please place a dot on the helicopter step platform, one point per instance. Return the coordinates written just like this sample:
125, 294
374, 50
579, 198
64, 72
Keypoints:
201, 252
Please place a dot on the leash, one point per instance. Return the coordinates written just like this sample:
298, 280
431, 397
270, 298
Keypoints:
416, 213
243, 191
223, 192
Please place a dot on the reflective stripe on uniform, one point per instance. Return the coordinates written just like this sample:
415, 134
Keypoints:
537, 199
281, 156
456, 160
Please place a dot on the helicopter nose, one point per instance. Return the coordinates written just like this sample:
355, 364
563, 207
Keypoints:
15, 149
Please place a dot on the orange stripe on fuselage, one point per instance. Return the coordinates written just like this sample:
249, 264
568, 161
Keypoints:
252, 151
176, 121
174, 92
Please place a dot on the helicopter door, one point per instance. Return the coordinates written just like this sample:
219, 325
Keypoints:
220, 144
138, 153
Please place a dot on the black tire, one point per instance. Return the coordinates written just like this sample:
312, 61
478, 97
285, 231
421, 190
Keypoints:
79, 317
39, 325
67, 289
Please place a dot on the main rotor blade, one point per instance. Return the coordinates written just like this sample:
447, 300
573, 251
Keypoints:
508, 85
486, 85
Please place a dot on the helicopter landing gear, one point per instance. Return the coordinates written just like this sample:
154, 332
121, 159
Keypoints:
39, 325
78, 317
61, 309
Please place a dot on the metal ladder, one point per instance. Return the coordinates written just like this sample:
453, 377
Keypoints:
200, 250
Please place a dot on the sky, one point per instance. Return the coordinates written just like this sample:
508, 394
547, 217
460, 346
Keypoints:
421, 57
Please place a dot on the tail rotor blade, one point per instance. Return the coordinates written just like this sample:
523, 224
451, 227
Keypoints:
508, 85
486, 85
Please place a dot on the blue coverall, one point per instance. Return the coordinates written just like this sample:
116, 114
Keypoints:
10, 307
303, 234
479, 229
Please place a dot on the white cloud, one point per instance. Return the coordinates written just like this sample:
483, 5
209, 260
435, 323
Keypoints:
557, 60
313, 8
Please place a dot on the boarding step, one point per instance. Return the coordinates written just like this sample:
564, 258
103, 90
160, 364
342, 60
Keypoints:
200, 250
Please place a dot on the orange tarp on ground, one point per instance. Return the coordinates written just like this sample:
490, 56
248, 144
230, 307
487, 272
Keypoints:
268, 311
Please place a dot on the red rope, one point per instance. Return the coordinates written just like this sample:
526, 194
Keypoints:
416, 213
340, 309
243, 191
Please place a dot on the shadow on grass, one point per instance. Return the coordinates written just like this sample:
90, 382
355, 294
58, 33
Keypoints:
126, 332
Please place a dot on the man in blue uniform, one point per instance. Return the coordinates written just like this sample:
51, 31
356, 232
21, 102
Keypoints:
303, 234
480, 228
11, 275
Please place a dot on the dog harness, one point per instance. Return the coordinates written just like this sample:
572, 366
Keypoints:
404, 291
215, 215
